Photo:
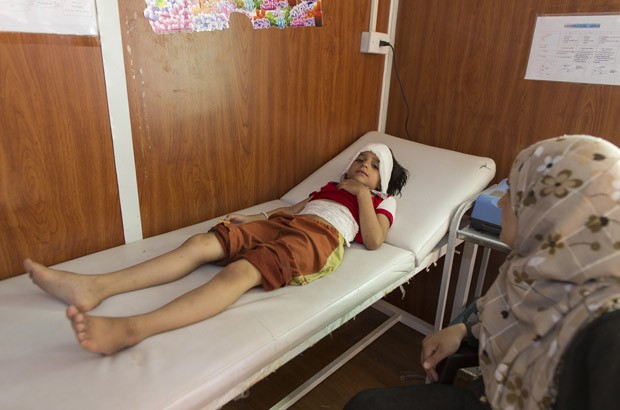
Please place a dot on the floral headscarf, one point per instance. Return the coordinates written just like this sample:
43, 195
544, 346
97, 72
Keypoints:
563, 272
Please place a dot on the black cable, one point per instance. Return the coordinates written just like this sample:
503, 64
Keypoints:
400, 83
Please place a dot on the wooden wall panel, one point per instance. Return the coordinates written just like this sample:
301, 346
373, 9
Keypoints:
224, 120
463, 65
58, 191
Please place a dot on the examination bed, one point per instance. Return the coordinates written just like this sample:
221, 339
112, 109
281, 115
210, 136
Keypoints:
210, 363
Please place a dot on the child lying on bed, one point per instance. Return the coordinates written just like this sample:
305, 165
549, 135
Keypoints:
293, 244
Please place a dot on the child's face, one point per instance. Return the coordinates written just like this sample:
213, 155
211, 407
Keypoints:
365, 169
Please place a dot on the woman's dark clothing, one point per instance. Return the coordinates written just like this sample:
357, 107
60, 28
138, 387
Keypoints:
420, 396
590, 376
589, 379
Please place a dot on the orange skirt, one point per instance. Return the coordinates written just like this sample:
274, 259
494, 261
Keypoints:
286, 249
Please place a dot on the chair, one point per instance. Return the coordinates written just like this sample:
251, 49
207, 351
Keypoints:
466, 356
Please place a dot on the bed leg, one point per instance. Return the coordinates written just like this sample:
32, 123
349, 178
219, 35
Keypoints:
340, 361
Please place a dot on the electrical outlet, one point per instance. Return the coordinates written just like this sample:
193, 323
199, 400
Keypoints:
370, 42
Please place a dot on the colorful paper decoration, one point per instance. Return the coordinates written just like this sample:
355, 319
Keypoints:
185, 16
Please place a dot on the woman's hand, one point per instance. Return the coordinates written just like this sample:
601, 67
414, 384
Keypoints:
440, 345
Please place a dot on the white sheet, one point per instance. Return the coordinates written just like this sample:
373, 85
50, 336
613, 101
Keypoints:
207, 364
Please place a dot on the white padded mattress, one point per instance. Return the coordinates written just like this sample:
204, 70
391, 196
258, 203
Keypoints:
204, 365
440, 180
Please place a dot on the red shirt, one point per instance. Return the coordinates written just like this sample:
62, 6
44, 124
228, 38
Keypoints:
333, 193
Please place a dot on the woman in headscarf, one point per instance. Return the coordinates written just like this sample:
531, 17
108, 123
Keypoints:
549, 326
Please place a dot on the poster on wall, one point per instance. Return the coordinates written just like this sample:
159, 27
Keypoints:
184, 16
577, 49
49, 16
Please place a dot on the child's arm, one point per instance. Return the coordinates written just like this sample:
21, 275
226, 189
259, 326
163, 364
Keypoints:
292, 209
373, 226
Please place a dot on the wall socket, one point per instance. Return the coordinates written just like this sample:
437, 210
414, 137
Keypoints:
370, 42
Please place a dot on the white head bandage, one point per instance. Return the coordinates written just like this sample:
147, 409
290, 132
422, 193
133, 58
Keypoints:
385, 162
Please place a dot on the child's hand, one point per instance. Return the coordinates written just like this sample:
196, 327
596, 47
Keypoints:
353, 187
239, 218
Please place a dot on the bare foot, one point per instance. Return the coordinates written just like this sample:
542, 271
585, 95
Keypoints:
72, 288
105, 335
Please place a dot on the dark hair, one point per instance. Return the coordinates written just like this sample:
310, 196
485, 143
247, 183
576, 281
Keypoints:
398, 178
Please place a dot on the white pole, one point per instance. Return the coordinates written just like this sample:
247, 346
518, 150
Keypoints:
118, 106
374, 6
387, 67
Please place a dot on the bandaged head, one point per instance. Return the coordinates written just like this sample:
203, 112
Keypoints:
385, 163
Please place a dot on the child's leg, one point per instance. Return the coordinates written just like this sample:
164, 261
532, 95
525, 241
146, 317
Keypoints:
87, 291
109, 335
